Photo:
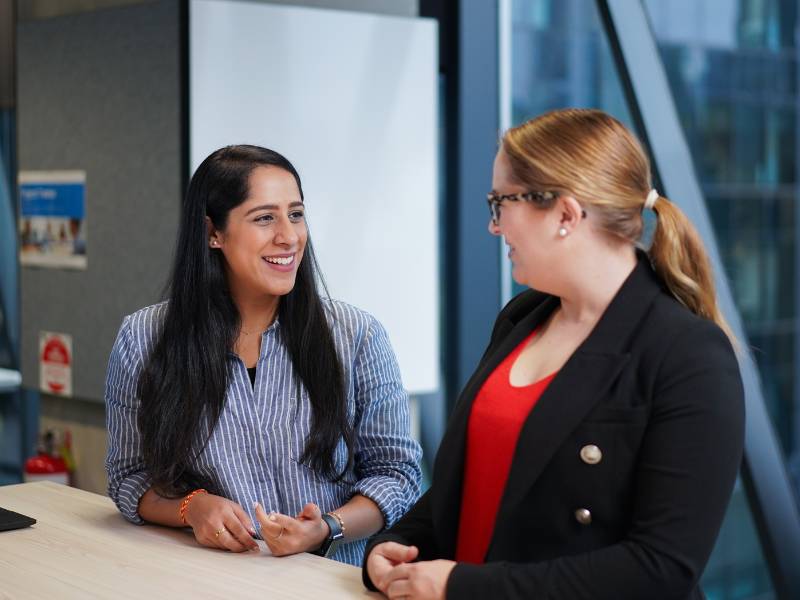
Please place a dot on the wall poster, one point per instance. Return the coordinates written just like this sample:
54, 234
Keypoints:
52, 219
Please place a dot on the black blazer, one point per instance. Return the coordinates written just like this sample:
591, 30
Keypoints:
657, 389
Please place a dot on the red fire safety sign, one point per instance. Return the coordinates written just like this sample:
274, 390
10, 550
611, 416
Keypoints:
55, 363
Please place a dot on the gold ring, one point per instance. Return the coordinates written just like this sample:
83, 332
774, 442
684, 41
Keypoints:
219, 531
277, 537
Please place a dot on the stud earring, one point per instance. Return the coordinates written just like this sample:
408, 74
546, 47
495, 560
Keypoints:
214, 243
562, 232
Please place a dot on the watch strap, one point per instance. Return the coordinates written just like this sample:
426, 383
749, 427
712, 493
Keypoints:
334, 537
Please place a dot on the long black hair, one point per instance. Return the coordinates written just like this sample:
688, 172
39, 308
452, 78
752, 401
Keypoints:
183, 383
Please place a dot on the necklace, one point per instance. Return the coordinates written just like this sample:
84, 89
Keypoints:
244, 331
260, 331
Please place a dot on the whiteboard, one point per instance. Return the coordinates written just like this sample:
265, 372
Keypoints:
351, 99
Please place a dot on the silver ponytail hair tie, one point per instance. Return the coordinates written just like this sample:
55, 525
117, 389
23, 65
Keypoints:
652, 196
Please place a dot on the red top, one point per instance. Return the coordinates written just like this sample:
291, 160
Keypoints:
496, 419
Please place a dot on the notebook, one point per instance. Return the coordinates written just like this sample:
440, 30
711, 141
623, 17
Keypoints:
12, 520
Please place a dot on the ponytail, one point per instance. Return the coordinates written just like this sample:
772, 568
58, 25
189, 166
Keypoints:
593, 157
680, 259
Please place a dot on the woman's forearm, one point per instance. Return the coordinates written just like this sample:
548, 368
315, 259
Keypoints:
361, 517
160, 510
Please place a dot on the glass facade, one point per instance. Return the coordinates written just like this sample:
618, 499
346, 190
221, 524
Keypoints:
732, 66
560, 57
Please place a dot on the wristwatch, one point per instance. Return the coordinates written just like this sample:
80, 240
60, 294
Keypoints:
334, 537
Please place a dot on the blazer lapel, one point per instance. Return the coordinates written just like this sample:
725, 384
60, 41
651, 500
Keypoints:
449, 466
516, 333
580, 384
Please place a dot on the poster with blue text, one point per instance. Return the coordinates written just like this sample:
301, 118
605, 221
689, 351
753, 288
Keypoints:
52, 219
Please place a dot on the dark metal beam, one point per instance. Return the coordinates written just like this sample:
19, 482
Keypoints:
9, 261
471, 268
7, 37
650, 101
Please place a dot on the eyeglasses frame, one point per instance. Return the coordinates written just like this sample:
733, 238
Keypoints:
495, 201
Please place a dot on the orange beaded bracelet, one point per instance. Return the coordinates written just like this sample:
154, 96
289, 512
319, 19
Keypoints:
185, 504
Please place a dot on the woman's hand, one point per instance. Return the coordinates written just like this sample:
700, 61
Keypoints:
220, 523
426, 580
385, 557
286, 535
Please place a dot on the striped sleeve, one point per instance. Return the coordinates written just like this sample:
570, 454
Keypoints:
386, 456
127, 479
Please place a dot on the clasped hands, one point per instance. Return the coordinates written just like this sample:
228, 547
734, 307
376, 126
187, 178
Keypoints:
221, 523
286, 535
391, 570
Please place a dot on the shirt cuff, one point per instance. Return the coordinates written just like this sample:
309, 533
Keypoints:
385, 492
128, 494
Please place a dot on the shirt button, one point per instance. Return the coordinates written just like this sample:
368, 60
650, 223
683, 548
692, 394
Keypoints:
583, 516
591, 454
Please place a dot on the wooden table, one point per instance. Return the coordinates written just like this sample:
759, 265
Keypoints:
81, 547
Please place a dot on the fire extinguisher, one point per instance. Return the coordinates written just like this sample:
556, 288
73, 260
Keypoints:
47, 465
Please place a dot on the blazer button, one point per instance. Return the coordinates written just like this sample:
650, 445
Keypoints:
583, 516
591, 454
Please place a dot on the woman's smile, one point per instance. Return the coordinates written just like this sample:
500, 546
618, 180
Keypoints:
281, 262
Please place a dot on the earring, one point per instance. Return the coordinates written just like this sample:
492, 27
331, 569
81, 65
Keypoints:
562, 232
214, 243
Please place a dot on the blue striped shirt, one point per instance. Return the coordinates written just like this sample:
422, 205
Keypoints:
253, 452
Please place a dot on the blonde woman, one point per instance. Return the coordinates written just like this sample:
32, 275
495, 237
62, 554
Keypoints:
594, 450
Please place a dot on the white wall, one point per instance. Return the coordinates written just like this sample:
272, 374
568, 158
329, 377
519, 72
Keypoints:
351, 99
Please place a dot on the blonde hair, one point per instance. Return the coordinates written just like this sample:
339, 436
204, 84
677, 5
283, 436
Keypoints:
591, 156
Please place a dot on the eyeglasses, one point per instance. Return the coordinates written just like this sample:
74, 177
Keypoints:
495, 201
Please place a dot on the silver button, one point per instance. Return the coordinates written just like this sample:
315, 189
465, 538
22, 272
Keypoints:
591, 454
583, 516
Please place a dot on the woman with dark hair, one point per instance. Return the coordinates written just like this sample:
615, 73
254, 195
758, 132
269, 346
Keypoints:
247, 388
593, 452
